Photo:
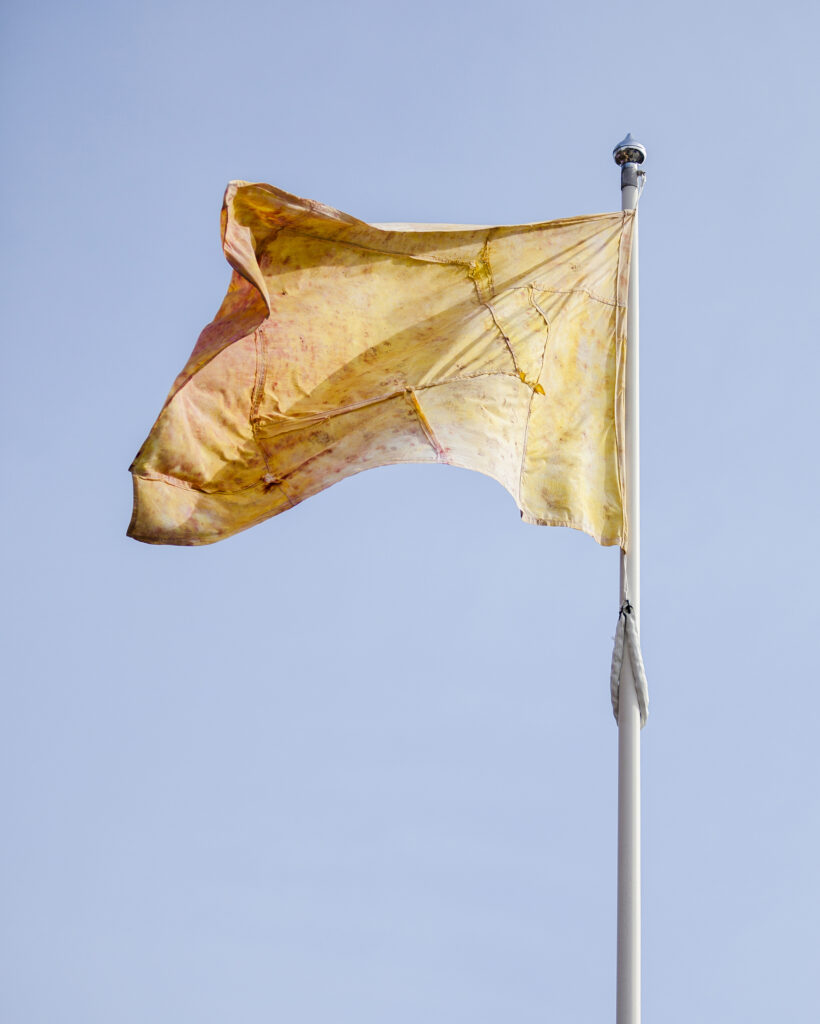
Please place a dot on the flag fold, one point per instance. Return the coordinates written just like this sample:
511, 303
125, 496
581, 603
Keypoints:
341, 346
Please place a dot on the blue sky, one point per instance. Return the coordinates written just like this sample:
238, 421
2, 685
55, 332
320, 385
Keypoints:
227, 793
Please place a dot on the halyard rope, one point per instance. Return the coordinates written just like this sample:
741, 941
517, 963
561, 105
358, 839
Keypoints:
626, 636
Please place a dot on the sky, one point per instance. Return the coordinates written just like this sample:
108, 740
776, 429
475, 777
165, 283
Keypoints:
359, 762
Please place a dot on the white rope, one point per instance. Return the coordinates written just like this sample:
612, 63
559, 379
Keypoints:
626, 635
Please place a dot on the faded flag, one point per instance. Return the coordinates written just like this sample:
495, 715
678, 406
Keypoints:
342, 346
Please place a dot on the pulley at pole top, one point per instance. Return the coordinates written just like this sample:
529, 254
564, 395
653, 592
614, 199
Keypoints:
628, 155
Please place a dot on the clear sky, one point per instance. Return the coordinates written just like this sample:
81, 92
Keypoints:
359, 763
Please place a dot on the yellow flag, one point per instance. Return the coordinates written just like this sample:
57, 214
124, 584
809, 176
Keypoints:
342, 346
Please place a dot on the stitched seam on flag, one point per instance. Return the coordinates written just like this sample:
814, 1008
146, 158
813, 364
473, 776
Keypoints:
467, 376
175, 481
574, 291
499, 230
382, 252
619, 410
310, 421
532, 396
151, 476
260, 374
269, 479
486, 285
507, 341
259, 391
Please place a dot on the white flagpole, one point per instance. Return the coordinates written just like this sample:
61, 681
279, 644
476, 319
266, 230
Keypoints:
629, 155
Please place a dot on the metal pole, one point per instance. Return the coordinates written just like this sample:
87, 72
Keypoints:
629, 155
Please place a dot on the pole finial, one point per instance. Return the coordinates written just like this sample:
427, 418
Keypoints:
628, 151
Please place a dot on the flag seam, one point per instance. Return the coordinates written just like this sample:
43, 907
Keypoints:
309, 421
532, 397
621, 312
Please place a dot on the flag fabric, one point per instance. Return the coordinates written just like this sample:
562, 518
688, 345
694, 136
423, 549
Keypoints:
342, 346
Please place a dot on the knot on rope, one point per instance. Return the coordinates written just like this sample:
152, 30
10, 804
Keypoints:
628, 639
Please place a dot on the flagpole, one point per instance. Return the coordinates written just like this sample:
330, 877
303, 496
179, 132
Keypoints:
629, 155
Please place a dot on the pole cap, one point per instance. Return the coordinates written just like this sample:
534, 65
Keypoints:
628, 151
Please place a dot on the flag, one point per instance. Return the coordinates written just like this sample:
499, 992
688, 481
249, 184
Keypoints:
341, 346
